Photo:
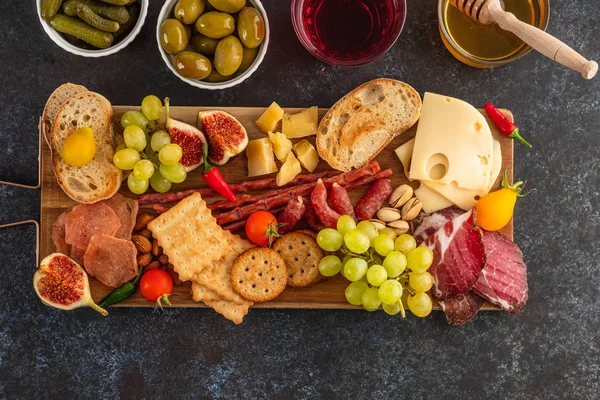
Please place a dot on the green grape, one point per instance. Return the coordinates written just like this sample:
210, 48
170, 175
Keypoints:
355, 269
345, 260
329, 239
330, 265
420, 304
135, 138
394, 264
159, 140
420, 282
391, 309
158, 183
389, 232
405, 243
143, 170
173, 173
376, 275
126, 159
354, 292
152, 107
137, 186
170, 154
357, 241
134, 118
420, 259
370, 299
390, 291
383, 244
345, 223
368, 228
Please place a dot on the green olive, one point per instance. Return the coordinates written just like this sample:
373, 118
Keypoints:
173, 36
248, 58
228, 55
188, 11
251, 27
228, 6
192, 65
215, 25
216, 77
204, 45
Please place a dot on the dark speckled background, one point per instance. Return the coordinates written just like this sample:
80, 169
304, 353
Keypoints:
550, 350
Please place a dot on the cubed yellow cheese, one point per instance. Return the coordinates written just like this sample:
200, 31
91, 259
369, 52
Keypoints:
301, 124
270, 118
307, 154
260, 157
289, 170
281, 145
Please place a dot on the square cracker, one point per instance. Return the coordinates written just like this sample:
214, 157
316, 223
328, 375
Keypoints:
231, 311
190, 236
203, 294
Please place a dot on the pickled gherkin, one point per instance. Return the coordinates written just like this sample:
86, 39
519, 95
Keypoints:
50, 8
85, 13
81, 30
115, 13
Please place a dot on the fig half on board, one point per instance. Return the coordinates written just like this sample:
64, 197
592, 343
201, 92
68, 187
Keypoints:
188, 137
62, 283
226, 136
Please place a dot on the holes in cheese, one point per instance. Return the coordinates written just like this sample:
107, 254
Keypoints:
437, 166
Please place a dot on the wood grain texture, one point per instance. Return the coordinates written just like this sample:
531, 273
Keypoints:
328, 294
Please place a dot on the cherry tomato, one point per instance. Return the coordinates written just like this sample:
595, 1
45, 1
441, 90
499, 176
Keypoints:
259, 226
156, 283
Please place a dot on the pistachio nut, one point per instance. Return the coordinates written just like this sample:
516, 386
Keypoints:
388, 214
379, 224
411, 209
400, 196
400, 227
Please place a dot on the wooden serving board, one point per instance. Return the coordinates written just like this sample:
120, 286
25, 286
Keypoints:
328, 294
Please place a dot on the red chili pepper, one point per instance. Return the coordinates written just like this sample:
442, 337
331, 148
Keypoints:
508, 129
213, 177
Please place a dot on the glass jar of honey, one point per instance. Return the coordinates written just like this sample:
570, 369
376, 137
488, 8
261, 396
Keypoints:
488, 46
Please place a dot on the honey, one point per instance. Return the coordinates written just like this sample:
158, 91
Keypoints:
488, 45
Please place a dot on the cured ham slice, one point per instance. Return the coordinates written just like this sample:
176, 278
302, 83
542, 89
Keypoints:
318, 199
458, 256
426, 225
461, 309
58, 235
126, 209
111, 260
503, 281
87, 220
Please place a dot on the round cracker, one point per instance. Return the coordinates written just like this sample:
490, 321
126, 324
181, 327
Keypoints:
259, 274
302, 255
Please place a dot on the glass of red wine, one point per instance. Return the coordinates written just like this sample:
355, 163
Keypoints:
348, 32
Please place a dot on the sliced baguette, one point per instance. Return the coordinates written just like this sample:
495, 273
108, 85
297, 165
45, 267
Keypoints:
99, 179
366, 120
55, 101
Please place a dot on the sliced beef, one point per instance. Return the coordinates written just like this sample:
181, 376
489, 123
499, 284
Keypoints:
425, 225
458, 256
87, 220
503, 281
461, 309
111, 260
58, 235
126, 209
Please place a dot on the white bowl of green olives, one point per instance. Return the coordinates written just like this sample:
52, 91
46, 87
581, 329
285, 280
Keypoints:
212, 44
92, 28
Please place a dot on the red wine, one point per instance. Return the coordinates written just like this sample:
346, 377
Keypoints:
352, 29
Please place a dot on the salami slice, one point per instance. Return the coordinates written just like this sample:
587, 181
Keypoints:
340, 201
372, 201
291, 214
58, 235
110, 260
126, 209
318, 198
87, 220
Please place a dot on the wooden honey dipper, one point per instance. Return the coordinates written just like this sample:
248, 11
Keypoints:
492, 11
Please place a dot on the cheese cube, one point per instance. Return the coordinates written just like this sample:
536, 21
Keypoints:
301, 124
281, 145
289, 170
307, 154
270, 118
260, 157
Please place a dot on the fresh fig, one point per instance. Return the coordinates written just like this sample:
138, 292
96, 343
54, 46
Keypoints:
226, 136
62, 283
188, 137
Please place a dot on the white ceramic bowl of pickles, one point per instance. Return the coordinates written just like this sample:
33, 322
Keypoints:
115, 37
242, 32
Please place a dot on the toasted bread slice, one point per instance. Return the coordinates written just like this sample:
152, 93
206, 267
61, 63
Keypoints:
366, 120
99, 179
55, 101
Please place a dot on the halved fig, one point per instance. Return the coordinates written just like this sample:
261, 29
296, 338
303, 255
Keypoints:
226, 136
62, 283
188, 137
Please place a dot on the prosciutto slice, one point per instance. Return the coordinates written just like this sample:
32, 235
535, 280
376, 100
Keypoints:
458, 256
461, 309
110, 260
503, 281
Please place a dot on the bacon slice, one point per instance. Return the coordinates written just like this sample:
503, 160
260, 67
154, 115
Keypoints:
291, 214
249, 186
372, 201
461, 309
318, 198
340, 201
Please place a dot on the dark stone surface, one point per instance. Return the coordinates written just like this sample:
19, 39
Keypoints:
550, 350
